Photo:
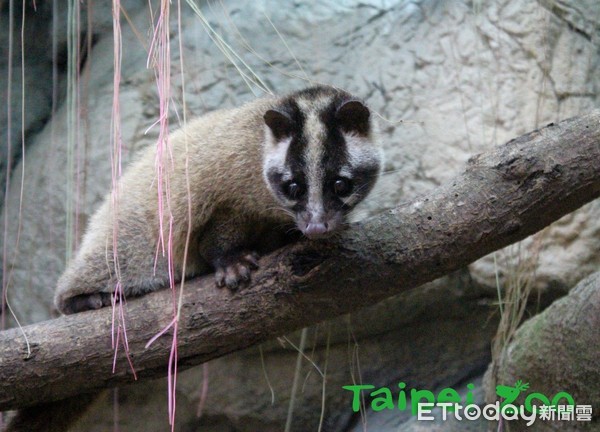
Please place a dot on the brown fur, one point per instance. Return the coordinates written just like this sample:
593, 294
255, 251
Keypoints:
228, 145
227, 170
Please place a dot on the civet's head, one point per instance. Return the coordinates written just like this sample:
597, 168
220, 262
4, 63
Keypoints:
321, 156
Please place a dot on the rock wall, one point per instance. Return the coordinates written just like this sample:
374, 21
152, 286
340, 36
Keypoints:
449, 79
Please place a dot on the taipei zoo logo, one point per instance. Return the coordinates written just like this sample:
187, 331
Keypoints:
536, 406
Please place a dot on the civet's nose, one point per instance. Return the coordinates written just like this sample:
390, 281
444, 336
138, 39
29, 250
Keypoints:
315, 229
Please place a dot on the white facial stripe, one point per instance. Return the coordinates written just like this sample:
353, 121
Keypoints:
361, 151
345, 172
275, 153
315, 134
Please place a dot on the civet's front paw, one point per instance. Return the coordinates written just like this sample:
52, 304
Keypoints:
83, 302
234, 269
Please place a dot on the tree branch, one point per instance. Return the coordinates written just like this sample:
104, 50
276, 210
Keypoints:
503, 196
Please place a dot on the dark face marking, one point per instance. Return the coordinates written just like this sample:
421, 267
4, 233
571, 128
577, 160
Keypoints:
294, 190
342, 187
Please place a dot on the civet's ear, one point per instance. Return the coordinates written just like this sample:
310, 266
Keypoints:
279, 122
353, 116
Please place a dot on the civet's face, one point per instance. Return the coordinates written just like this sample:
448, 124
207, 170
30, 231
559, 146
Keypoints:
321, 158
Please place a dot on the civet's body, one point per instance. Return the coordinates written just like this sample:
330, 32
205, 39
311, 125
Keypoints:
253, 173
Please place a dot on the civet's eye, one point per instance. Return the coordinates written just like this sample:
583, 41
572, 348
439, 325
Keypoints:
342, 187
293, 190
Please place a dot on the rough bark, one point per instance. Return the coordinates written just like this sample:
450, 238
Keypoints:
503, 196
